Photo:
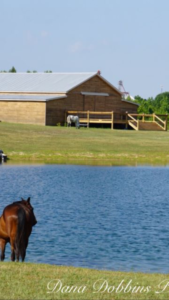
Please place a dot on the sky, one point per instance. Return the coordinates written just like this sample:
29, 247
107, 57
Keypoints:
126, 40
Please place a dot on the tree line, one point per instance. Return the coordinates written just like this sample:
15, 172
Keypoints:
13, 70
157, 105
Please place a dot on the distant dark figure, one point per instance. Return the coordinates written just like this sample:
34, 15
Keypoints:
73, 119
16, 225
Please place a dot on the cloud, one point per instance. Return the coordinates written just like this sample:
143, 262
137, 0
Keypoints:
76, 47
30, 38
105, 42
33, 38
79, 46
44, 34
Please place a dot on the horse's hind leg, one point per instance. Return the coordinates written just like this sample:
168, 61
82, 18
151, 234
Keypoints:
22, 251
23, 254
12, 234
2, 247
12, 242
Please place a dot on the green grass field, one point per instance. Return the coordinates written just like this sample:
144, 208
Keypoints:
37, 144
84, 146
40, 281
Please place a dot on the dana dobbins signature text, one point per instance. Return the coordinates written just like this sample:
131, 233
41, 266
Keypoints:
104, 286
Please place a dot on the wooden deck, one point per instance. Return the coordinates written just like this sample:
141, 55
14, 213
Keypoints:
136, 121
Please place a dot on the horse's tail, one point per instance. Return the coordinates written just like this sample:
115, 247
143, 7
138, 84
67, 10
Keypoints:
20, 242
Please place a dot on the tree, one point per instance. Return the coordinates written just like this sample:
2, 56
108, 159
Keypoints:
12, 70
159, 105
162, 103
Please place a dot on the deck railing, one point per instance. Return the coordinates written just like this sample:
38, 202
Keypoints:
112, 117
133, 122
97, 117
160, 122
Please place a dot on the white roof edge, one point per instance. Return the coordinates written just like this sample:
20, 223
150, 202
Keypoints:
23, 100
32, 99
32, 93
131, 102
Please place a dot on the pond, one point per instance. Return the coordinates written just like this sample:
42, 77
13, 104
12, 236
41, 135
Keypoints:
111, 218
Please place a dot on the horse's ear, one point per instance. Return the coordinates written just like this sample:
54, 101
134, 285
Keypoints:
28, 200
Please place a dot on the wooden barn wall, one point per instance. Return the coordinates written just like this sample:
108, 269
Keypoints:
55, 109
23, 112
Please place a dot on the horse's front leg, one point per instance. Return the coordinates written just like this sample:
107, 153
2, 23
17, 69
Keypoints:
2, 247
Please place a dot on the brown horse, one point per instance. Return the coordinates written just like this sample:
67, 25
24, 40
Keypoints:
15, 227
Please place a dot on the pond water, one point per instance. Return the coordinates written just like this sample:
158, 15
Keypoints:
112, 218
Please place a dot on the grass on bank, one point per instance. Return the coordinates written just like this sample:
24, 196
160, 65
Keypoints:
37, 281
49, 144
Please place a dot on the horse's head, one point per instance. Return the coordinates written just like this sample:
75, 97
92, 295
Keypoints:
28, 205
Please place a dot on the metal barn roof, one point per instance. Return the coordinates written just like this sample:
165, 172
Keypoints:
42, 82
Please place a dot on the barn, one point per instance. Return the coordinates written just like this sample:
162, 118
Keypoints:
46, 98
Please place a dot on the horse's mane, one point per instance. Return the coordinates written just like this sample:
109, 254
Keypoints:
17, 202
23, 202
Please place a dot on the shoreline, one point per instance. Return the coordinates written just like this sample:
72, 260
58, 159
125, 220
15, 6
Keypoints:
89, 162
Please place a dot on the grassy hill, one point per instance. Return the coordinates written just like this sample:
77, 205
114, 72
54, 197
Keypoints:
87, 146
40, 281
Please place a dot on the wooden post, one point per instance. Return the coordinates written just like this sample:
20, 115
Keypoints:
138, 124
153, 117
65, 117
112, 120
165, 125
126, 120
88, 118
143, 118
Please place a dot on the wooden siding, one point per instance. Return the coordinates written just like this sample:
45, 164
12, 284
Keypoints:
23, 112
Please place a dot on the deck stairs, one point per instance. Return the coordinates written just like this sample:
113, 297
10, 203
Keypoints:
150, 126
147, 122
